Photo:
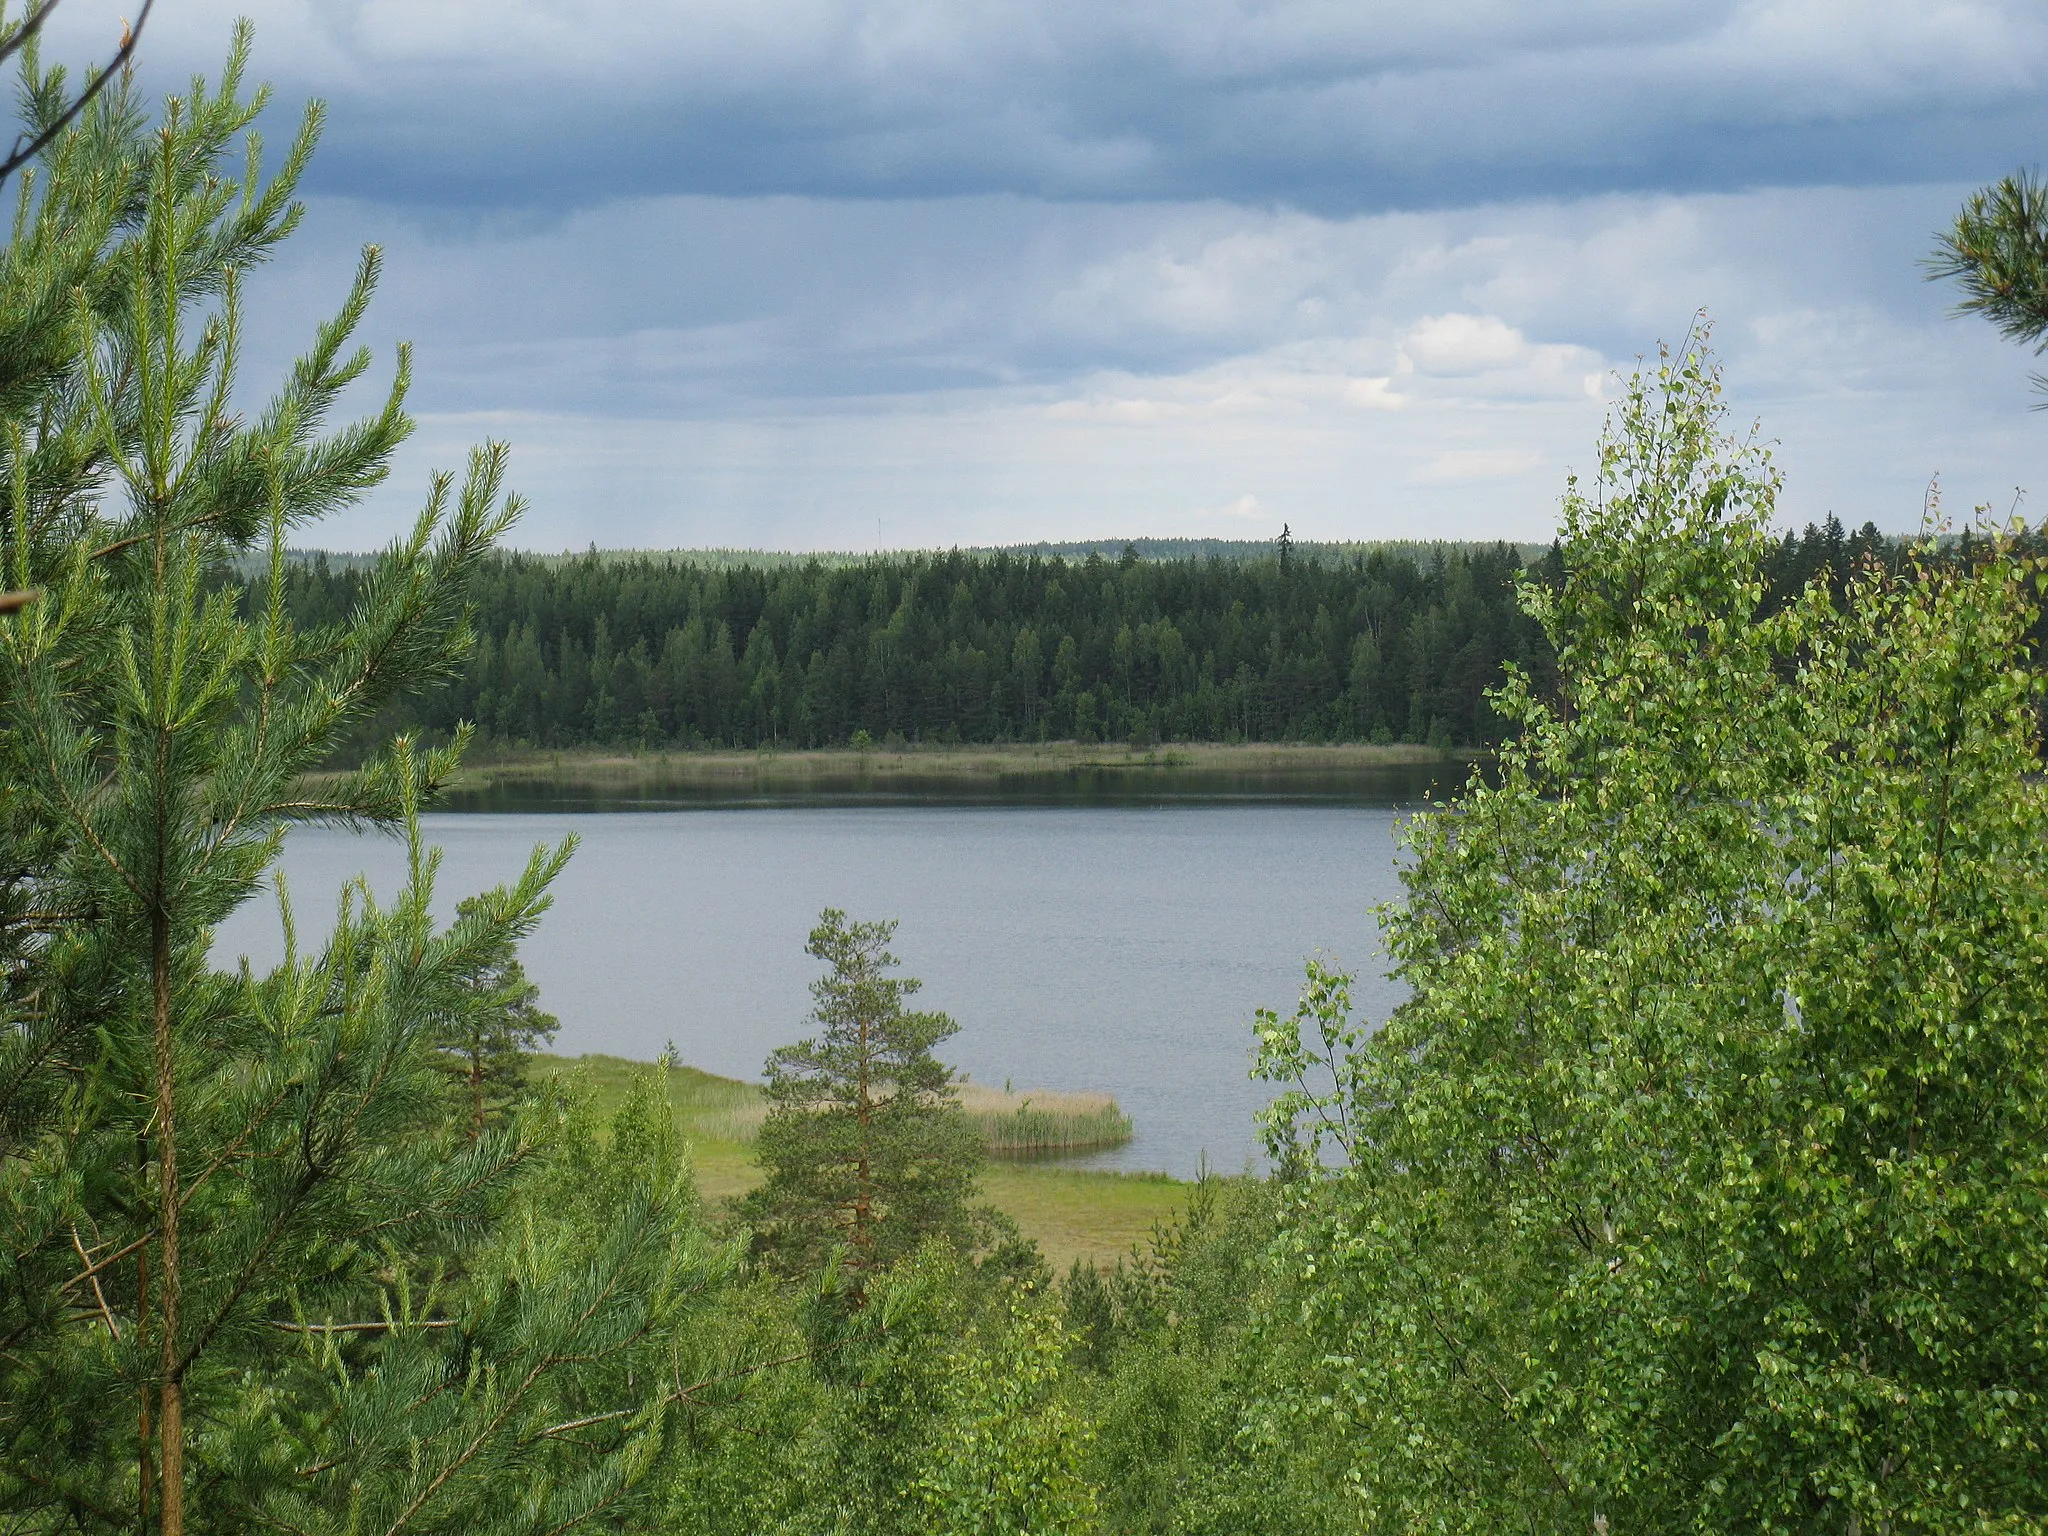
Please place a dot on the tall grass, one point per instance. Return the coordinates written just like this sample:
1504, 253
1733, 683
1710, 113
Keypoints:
707, 1107
1031, 1124
1039, 1123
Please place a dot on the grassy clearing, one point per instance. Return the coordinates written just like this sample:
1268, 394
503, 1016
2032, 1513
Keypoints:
1077, 1213
1072, 1213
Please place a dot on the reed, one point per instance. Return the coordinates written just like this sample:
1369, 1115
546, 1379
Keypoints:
1040, 1123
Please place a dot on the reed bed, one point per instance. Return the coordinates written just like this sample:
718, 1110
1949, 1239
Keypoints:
1039, 1123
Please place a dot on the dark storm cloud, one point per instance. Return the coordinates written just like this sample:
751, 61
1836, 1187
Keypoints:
1339, 107
821, 274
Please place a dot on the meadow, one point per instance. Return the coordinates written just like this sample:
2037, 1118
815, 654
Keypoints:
1073, 1213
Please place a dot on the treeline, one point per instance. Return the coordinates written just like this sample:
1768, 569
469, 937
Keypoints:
1393, 644
967, 648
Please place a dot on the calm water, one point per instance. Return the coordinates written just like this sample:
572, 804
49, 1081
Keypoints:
1120, 948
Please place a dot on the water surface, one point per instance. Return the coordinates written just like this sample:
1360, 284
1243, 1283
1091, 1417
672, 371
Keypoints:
1113, 947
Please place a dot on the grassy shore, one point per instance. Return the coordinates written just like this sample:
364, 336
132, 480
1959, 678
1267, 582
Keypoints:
1073, 1213
1023, 767
499, 778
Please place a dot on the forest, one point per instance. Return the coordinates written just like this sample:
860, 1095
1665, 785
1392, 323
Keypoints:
1697, 1186
1402, 643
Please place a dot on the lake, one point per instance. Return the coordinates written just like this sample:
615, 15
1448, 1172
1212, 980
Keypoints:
1116, 947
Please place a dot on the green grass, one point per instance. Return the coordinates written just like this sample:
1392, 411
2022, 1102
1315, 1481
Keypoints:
1072, 1213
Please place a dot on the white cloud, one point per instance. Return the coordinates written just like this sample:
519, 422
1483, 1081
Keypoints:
1460, 346
704, 370
1246, 509
1457, 466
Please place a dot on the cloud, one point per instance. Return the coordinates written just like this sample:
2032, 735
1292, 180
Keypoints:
1246, 509
683, 370
767, 272
1461, 346
1458, 466
1332, 107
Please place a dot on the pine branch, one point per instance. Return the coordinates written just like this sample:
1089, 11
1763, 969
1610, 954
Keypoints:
26, 148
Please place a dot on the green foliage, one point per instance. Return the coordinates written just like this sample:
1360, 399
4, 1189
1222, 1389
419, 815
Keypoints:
1014, 1447
1699, 1186
536, 1391
632, 651
865, 1149
249, 1276
941, 1406
1172, 1374
489, 1034
1380, 643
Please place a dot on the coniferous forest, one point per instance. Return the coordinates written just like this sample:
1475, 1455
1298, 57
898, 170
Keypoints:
1401, 644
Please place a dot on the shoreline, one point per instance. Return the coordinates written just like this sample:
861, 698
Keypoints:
928, 765
1097, 1215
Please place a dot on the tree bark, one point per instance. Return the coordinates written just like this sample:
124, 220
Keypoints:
863, 1199
145, 1470
170, 1404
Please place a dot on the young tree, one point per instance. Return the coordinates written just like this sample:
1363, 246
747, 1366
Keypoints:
865, 1148
1012, 1441
1699, 1186
495, 1023
248, 1278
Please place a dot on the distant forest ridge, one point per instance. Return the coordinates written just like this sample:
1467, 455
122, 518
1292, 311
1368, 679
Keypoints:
1107, 549
1381, 643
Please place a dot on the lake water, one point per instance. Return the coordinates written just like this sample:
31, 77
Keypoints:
1113, 947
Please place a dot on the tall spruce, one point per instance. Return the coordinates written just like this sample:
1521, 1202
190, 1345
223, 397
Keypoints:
249, 1276
865, 1149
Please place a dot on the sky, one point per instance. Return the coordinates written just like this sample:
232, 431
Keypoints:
849, 274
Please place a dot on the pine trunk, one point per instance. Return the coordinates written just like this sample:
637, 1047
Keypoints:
145, 1472
863, 1200
170, 1410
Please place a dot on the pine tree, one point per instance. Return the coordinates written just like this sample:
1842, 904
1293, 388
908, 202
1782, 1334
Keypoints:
865, 1148
1997, 251
249, 1276
485, 1039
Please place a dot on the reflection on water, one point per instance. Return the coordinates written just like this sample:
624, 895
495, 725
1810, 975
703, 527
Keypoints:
1119, 948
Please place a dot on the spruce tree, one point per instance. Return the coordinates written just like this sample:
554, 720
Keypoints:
865, 1147
249, 1275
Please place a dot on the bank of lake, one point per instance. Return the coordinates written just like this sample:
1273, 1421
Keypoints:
1020, 773
1098, 1216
